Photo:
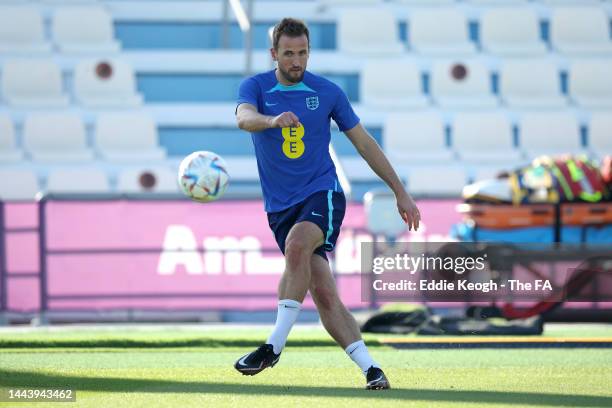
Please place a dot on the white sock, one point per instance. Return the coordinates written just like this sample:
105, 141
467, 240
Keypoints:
288, 311
358, 352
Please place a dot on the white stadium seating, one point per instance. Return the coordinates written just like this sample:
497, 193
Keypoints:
126, 137
380, 38
71, 2
381, 214
478, 71
397, 88
571, 2
436, 180
427, 3
600, 133
497, 2
18, 184
590, 83
471, 92
165, 180
22, 31
348, 3
243, 168
84, 30
484, 138
56, 137
77, 180
415, 138
551, 133
8, 150
117, 91
33, 83
531, 84
581, 31
511, 31
440, 31
490, 172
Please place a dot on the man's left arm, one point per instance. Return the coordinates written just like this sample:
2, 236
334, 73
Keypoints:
369, 149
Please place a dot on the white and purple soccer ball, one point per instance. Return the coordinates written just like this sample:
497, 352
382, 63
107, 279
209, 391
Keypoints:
203, 176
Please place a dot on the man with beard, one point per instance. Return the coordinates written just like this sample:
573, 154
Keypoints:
288, 111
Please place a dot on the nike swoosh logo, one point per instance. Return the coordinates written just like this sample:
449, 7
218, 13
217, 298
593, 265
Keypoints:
377, 380
315, 214
271, 104
289, 307
242, 360
351, 352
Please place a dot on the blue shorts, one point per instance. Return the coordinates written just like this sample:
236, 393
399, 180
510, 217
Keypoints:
323, 208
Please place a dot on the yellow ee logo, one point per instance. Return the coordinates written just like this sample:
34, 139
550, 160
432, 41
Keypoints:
293, 147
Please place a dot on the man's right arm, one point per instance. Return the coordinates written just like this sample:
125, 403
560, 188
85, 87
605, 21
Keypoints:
252, 121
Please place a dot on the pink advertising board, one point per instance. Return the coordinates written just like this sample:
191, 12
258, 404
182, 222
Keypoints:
172, 255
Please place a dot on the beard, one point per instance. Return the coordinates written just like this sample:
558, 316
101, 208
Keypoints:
291, 78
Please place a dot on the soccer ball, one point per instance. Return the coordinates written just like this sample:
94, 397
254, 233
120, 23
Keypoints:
203, 176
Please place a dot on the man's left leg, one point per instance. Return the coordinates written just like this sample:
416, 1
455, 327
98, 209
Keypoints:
340, 323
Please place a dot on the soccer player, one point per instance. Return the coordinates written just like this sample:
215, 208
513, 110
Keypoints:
288, 112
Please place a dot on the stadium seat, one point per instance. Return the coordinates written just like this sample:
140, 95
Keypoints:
351, 3
550, 133
600, 133
437, 180
77, 180
56, 137
496, 2
18, 184
8, 150
395, 89
425, 2
581, 31
129, 180
22, 30
590, 83
106, 84
84, 30
412, 138
439, 31
570, 2
128, 137
71, 2
491, 171
531, 84
511, 31
356, 170
484, 138
242, 168
381, 214
33, 83
462, 85
380, 38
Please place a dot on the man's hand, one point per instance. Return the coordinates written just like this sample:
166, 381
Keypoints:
408, 210
285, 119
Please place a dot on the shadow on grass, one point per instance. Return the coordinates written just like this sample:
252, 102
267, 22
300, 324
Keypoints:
28, 379
127, 343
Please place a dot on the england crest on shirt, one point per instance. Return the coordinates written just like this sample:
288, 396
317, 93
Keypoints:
312, 102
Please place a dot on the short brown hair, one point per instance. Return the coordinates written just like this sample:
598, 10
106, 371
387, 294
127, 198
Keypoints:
290, 27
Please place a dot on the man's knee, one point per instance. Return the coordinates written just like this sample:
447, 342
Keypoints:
297, 251
301, 243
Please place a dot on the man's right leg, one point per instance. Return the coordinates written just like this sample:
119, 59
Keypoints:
336, 319
341, 324
301, 242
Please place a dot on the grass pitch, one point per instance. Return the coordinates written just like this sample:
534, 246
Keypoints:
193, 367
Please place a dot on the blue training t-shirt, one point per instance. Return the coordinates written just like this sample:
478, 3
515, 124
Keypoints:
294, 163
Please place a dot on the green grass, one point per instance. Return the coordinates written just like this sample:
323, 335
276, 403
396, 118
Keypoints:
193, 368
